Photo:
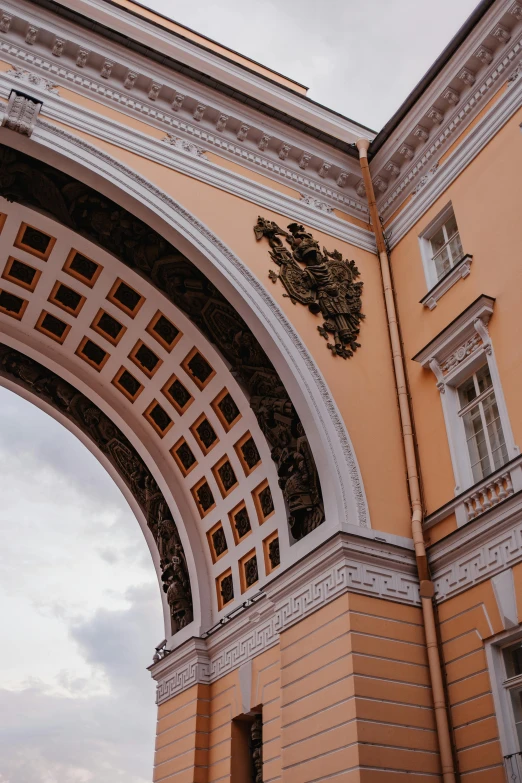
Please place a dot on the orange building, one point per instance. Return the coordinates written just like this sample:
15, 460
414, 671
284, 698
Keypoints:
293, 343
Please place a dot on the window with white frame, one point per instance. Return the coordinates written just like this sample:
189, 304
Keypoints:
482, 425
462, 358
512, 685
445, 244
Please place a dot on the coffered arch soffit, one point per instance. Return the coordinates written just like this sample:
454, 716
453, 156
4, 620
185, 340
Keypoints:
329, 443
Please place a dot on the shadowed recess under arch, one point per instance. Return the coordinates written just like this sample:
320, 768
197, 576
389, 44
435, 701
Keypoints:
79, 207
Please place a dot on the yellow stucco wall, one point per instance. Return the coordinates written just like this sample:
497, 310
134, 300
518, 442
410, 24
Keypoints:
487, 200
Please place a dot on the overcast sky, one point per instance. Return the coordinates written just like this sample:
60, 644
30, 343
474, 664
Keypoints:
359, 57
79, 601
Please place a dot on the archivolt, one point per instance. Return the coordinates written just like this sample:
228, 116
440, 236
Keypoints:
340, 471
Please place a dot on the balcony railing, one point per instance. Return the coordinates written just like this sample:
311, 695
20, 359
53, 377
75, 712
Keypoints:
482, 496
513, 766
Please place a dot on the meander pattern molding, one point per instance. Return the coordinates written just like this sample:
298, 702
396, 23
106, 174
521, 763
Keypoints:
491, 544
339, 566
58, 138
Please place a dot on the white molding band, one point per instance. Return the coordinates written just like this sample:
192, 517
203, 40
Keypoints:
468, 149
479, 550
343, 564
458, 272
345, 485
188, 160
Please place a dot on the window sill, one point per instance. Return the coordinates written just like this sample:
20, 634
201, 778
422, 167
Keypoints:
456, 273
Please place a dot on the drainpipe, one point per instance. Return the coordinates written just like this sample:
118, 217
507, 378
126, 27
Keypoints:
426, 585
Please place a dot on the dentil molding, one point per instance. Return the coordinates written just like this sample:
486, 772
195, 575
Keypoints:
185, 156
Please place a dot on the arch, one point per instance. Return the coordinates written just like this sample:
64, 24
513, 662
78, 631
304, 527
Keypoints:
342, 486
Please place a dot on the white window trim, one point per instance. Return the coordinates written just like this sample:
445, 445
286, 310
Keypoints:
453, 356
437, 288
497, 672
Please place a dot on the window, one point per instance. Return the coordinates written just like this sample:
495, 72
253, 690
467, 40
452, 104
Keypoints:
443, 257
513, 686
484, 435
462, 359
446, 247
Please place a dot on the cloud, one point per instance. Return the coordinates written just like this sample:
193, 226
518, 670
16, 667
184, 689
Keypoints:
81, 604
359, 58
74, 738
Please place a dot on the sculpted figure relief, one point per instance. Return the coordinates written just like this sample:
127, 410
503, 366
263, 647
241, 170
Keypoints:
120, 452
109, 225
326, 283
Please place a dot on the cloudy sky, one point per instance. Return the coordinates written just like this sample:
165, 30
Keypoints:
359, 57
79, 600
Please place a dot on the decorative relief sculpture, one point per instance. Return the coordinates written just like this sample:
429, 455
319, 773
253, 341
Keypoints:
76, 205
125, 459
21, 114
325, 284
256, 745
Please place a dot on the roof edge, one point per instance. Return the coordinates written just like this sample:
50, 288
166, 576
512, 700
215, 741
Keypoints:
430, 75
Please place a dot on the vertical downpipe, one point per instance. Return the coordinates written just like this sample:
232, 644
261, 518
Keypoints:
426, 585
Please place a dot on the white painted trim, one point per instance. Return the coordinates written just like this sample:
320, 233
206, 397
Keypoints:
80, 118
343, 564
159, 112
453, 356
479, 550
497, 674
467, 150
460, 271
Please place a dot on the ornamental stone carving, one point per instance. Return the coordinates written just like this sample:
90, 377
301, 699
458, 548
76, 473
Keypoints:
264, 142
30, 36
76, 205
21, 114
106, 69
5, 23
130, 79
326, 284
221, 122
81, 58
125, 459
243, 132
484, 54
58, 47
177, 103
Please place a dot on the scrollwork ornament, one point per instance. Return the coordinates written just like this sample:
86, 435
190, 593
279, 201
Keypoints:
320, 279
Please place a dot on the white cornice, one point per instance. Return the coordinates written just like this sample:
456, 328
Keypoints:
460, 329
472, 81
467, 150
219, 68
56, 108
343, 564
479, 550
153, 91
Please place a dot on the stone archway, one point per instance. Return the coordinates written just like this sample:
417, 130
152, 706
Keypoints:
98, 219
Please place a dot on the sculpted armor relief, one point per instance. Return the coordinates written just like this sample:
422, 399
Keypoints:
78, 206
320, 279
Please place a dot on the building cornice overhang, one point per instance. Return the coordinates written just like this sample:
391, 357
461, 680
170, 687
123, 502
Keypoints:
436, 124
230, 78
481, 309
431, 74
59, 54
365, 564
